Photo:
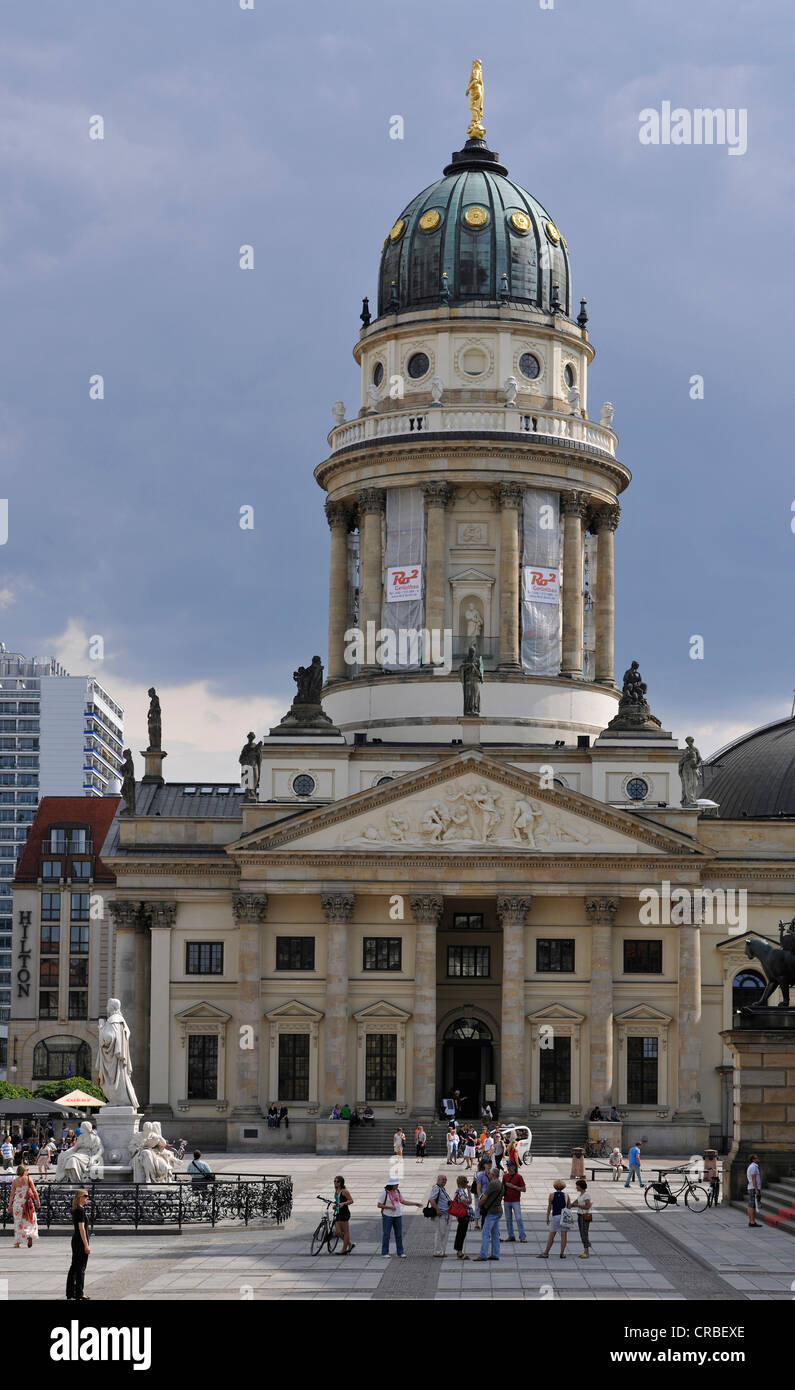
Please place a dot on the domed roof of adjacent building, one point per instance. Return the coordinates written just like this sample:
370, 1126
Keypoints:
755, 775
474, 236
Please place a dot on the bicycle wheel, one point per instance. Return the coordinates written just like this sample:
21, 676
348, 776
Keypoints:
319, 1238
655, 1199
696, 1198
332, 1240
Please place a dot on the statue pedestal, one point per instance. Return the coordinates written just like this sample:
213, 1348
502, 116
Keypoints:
764, 1108
153, 766
116, 1128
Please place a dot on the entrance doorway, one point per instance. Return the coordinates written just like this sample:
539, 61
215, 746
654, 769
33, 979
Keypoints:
467, 1064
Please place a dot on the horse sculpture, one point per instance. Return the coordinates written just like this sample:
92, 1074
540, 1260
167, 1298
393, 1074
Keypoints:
778, 965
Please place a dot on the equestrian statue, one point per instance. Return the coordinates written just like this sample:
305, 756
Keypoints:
778, 963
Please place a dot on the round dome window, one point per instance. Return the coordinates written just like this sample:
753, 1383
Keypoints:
637, 789
418, 365
303, 784
529, 365
473, 362
378, 373
568, 374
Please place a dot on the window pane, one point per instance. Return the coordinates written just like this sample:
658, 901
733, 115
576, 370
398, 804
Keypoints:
78, 940
78, 1003
48, 1004
49, 974
467, 921
380, 1081
643, 957
204, 958
382, 953
78, 973
294, 1066
50, 938
555, 1072
295, 953
50, 907
79, 907
642, 1071
202, 1066
469, 962
553, 954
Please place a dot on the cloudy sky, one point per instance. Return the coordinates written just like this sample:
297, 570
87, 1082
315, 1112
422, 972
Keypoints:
270, 127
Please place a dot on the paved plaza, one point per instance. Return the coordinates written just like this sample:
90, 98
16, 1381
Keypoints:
636, 1253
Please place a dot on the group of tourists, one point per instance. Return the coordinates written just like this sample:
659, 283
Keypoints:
473, 1147
354, 1116
24, 1205
277, 1116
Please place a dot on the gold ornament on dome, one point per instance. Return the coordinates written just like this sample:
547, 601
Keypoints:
476, 217
552, 232
476, 129
520, 221
430, 219
397, 230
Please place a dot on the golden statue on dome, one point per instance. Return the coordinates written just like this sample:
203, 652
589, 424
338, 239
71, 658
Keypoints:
476, 129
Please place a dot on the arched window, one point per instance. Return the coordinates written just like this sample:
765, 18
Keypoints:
57, 1059
746, 989
468, 1030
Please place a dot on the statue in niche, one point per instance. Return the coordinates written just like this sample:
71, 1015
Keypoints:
153, 719
471, 679
128, 784
250, 765
474, 621
690, 772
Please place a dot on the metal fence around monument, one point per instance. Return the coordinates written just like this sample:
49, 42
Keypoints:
234, 1197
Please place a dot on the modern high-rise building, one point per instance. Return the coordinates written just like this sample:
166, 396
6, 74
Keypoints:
60, 735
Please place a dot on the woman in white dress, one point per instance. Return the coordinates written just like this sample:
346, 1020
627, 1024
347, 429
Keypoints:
23, 1202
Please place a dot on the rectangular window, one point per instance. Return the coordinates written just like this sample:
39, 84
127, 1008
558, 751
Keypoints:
469, 962
295, 953
58, 841
78, 1003
50, 938
78, 973
79, 907
78, 940
380, 1076
643, 958
555, 1072
294, 1066
202, 1066
51, 868
382, 953
48, 978
48, 1004
467, 921
50, 907
204, 958
642, 1071
81, 868
78, 841
554, 954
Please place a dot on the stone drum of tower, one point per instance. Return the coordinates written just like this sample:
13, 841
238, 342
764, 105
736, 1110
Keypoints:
472, 502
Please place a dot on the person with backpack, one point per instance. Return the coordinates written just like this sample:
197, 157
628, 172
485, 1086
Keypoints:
198, 1169
461, 1212
490, 1213
514, 1185
558, 1204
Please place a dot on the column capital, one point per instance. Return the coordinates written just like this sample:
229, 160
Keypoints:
427, 907
250, 907
509, 495
437, 494
160, 914
574, 503
337, 907
371, 499
605, 518
338, 514
125, 914
601, 911
513, 910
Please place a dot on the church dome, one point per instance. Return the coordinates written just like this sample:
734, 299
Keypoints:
755, 775
474, 237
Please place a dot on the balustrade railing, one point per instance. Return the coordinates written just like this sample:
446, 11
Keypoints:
435, 420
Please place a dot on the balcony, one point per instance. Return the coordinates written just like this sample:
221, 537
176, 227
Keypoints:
550, 427
57, 847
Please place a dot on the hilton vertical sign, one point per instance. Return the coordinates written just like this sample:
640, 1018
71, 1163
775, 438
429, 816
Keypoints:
23, 956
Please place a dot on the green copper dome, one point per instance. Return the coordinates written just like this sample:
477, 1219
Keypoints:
474, 237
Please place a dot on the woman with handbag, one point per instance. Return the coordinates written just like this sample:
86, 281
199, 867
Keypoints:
584, 1207
461, 1211
559, 1219
23, 1199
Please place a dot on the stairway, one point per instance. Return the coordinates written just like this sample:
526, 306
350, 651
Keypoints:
552, 1136
777, 1205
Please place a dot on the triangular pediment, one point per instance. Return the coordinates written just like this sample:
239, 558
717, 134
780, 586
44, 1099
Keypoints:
643, 1013
738, 939
208, 1013
382, 1010
465, 803
561, 1013
294, 1009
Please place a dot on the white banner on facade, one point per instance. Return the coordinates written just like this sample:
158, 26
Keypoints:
403, 583
541, 582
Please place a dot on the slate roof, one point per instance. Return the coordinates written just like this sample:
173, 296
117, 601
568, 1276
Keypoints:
96, 812
178, 800
755, 775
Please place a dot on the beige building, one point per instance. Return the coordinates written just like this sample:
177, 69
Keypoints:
413, 900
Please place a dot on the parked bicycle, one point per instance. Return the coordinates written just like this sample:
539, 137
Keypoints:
597, 1148
660, 1195
325, 1233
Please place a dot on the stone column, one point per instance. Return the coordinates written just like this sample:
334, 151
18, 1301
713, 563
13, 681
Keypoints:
574, 506
437, 497
603, 526
338, 912
601, 913
338, 519
509, 497
512, 913
250, 910
426, 910
372, 502
130, 968
689, 1022
161, 918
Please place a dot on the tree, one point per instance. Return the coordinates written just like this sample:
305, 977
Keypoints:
10, 1092
53, 1090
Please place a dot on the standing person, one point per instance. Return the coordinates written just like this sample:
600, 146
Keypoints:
488, 1148
556, 1204
754, 1180
634, 1165
584, 1207
439, 1200
449, 1138
343, 1202
514, 1185
513, 1150
577, 1163
80, 1249
490, 1213
398, 1140
7, 1150
46, 1152
712, 1176
616, 1161
390, 1203
23, 1199
479, 1185
461, 1211
469, 1149
420, 1139
499, 1151
456, 1143
200, 1171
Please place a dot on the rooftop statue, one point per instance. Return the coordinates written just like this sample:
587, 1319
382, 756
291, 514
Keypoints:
128, 784
690, 771
153, 719
476, 129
